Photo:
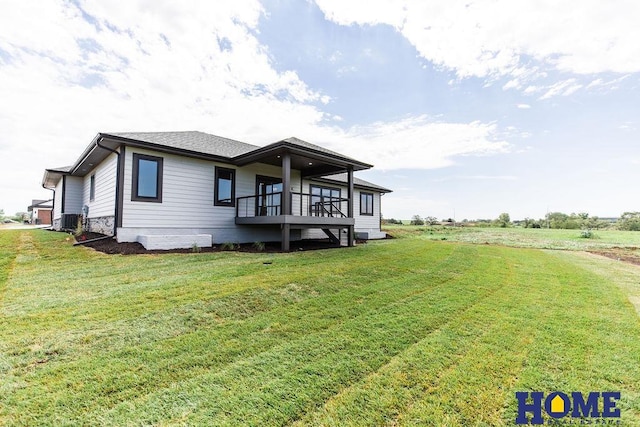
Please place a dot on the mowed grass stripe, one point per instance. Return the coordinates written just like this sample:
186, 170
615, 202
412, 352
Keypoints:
9, 241
382, 397
87, 280
191, 353
209, 310
466, 373
278, 386
111, 365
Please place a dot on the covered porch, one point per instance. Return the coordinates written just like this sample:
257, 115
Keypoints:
277, 203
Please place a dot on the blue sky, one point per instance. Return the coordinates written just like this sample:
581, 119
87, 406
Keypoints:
465, 108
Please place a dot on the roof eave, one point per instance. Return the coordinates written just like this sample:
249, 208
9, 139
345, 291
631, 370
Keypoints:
51, 177
282, 146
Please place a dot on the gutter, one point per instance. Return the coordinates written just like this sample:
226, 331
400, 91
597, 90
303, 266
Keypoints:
117, 204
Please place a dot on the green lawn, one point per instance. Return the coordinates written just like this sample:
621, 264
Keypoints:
410, 331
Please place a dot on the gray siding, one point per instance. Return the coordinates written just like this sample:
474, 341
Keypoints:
73, 195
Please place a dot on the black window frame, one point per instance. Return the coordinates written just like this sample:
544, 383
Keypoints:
364, 195
216, 201
314, 197
136, 176
92, 187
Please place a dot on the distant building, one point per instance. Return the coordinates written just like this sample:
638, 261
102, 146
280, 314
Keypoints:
40, 211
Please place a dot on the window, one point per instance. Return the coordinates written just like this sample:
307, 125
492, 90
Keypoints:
269, 196
366, 203
325, 201
92, 188
147, 178
225, 187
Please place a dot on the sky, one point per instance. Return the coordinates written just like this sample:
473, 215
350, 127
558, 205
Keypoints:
467, 109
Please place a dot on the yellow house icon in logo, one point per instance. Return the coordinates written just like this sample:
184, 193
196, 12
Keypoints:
557, 404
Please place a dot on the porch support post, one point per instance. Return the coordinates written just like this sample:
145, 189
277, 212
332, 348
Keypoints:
286, 236
351, 231
286, 184
286, 199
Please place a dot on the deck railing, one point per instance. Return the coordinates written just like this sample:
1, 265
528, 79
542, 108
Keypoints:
302, 204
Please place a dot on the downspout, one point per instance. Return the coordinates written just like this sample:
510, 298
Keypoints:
117, 204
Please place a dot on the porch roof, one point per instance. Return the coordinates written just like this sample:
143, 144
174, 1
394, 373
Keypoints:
312, 160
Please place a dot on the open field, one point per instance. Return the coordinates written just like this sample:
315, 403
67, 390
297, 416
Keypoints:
622, 245
540, 238
408, 331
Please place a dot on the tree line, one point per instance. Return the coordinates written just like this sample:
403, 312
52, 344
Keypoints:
557, 220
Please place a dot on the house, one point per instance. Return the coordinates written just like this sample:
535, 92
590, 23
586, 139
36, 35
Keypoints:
179, 189
40, 211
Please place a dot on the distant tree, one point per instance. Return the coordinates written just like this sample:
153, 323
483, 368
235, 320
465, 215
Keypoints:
416, 220
629, 221
587, 222
20, 216
504, 220
1, 214
430, 220
557, 220
391, 221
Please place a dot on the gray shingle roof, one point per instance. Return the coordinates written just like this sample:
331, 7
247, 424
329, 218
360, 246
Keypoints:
305, 144
342, 179
204, 143
198, 142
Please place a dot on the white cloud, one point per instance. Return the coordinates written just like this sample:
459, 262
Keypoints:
63, 78
564, 88
496, 38
415, 142
523, 106
67, 73
477, 178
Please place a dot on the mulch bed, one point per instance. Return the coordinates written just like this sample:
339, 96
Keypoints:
111, 246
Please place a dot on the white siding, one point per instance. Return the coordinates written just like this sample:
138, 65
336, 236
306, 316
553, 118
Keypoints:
367, 222
57, 201
104, 203
73, 195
